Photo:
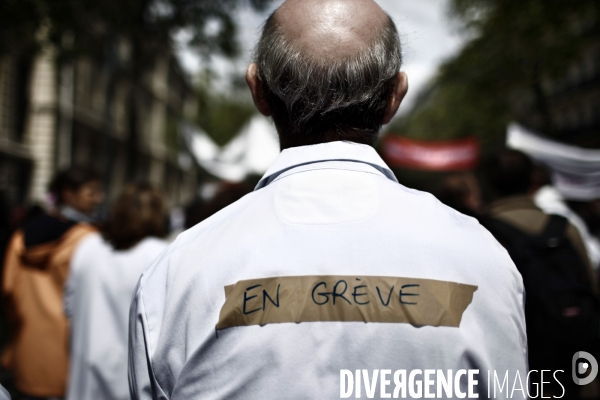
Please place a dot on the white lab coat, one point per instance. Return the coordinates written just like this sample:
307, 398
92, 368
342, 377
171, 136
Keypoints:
327, 209
97, 299
4, 393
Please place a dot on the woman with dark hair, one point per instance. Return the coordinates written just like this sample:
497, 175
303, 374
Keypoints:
77, 194
105, 269
36, 266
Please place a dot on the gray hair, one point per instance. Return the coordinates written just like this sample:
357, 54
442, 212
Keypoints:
311, 98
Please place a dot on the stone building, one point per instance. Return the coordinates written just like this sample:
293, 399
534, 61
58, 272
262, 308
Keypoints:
57, 114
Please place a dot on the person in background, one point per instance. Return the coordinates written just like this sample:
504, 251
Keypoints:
105, 269
551, 201
461, 192
35, 270
561, 307
77, 193
4, 395
227, 193
589, 211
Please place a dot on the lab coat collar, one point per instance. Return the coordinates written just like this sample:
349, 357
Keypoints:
342, 151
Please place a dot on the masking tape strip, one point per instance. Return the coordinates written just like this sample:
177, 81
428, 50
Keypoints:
296, 299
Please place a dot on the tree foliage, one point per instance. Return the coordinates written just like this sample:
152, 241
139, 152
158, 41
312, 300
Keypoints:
149, 24
516, 47
222, 114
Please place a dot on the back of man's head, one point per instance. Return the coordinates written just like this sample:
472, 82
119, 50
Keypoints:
328, 69
509, 173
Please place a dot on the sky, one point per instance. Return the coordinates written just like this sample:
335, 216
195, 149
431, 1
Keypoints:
428, 38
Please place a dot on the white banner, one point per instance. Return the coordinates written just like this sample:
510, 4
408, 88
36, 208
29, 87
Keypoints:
575, 170
251, 152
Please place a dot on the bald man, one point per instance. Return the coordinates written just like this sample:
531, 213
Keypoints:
330, 280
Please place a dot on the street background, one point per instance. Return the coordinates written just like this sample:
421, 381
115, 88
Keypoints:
154, 90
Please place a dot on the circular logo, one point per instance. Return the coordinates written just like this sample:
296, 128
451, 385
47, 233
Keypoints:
582, 367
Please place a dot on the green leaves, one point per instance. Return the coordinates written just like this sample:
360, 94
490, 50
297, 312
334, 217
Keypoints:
502, 73
151, 23
222, 115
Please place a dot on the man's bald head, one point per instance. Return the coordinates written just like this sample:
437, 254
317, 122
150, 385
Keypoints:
328, 70
330, 28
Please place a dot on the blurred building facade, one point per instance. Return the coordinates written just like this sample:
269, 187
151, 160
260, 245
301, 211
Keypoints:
85, 112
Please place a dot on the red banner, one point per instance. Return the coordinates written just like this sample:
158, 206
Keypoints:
456, 155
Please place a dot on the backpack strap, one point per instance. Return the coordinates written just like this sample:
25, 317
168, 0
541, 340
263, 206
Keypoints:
504, 233
555, 230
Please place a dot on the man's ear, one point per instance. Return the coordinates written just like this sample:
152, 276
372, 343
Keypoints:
258, 95
396, 98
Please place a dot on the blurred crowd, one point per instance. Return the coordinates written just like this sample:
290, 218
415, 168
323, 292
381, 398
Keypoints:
554, 245
69, 275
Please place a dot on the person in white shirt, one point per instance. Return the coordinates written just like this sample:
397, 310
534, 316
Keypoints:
105, 269
330, 267
551, 201
4, 395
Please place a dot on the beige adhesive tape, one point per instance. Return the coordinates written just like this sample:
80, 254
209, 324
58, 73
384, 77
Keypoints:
419, 302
